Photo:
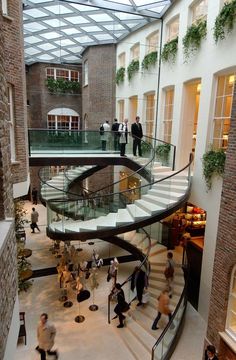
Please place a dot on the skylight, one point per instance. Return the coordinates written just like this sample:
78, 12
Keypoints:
58, 30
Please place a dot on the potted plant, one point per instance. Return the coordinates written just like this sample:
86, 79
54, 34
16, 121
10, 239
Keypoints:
213, 162
169, 51
149, 60
224, 23
192, 40
162, 152
62, 86
120, 75
132, 68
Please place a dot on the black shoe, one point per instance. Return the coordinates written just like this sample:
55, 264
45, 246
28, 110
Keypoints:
32, 232
139, 304
120, 326
155, 328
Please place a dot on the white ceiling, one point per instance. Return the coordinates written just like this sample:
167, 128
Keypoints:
58, 31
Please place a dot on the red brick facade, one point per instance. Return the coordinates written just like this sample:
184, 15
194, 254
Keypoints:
99, 95
225, 255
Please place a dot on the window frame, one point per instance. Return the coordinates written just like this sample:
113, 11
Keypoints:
11, 120
54, 75
121, 59
151, 48
132, 51
168, 122
168, 28
150, 123
85, 72
232, 294
5, 7
221, 142
193, 7
121, 110
58, 119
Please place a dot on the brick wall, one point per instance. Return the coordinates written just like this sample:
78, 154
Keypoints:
8, 285
99, 95
225, 255
15, 75
41, 101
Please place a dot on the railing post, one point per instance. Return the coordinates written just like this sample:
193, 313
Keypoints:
29, 146
109, 309
174, 154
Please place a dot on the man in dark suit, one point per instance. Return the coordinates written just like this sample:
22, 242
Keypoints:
139, 280
137, 134
115, 131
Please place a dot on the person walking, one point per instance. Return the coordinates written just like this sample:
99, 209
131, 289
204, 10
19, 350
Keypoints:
116, 137
169, 272
123, 131
105, 135
137, 134
163, 308
34, 219
46, 333
34, 196
210, 353
139, 280
122, 305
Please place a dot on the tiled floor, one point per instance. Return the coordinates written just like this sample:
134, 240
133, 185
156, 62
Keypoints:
94, 338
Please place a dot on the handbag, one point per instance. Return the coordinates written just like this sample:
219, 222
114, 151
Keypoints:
83, 295
146, 297
169, 271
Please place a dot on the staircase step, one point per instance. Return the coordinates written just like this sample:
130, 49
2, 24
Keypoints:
162, 202
136, 212
149, 207
124, 217
146, 339
160, 169
166, 194
163, 186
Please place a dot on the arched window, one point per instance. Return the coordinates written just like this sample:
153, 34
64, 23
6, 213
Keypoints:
231, 313
63, 119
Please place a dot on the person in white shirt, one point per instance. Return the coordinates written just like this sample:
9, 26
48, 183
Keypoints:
46, 333
123, 131
106, 134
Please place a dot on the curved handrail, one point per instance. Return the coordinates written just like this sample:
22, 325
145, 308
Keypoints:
145, 260
114, 183
129, 190
170, 323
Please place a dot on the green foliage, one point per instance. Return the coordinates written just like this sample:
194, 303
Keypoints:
23, 265
213, 164
192, 39
62, 86
162, 151
132, 68
224, 23
145, 146
169, 51
120, 75
20, 214
149, 60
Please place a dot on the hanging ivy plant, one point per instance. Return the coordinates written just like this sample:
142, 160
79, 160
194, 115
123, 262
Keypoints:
132, 68
149, 60
120, 75
62, 86
213, 162
169, 51
224, 23
192, 40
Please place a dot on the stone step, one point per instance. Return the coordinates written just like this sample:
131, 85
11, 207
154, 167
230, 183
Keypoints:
161, 202
136, 212
123, 217
149, 207
168, 194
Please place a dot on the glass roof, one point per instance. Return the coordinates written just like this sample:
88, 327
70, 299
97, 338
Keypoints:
58, 31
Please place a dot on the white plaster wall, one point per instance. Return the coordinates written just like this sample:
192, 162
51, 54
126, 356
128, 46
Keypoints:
210, 61
143, 82
22, 188
13, 333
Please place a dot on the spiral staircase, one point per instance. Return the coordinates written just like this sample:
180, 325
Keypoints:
165, 192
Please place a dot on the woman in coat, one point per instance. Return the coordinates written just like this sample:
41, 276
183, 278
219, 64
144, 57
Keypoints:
122, 305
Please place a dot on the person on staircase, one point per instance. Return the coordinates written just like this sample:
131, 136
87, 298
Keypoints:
139, 280
122, 305
169, 272
137, 134
163, 308
124, 136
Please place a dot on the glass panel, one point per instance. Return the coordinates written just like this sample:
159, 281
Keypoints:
221, 86
62, 74
86, 72
229, 84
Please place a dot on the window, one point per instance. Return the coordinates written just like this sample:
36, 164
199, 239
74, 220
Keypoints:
121, 60
199, 10
223, 108
121, 109
135, 52
168, 115
231, 313
150, 112
133, 107
4, 7
152, 41
86, 72
63, 119
173, 29
57, 73
11, 120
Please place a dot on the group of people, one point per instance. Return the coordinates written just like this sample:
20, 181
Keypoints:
120, 133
